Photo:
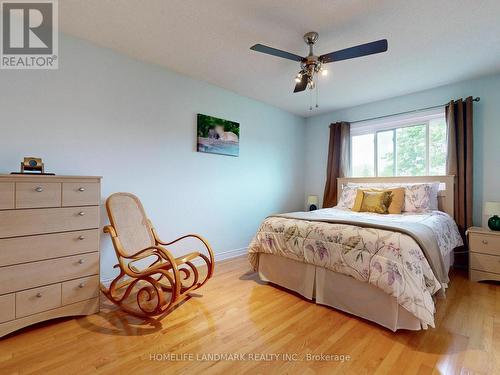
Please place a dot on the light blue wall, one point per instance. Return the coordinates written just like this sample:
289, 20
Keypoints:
486, 133
134, 123
105, 114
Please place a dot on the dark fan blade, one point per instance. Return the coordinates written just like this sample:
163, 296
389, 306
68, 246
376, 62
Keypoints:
301, 86
357, 51
276, 52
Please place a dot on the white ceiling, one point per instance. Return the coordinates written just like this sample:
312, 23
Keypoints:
431, 42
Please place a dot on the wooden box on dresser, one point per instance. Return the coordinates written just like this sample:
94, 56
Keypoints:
49, 248
484, 254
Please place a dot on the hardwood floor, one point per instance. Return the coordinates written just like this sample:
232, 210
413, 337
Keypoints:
239, 314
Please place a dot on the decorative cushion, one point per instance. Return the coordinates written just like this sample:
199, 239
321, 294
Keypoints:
397, 201
376, 201
418, 198
347, 197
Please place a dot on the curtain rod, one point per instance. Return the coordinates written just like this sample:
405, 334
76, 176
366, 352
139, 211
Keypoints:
476, 99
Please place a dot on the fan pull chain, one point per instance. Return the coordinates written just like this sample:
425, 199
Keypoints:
310, 100
317, 89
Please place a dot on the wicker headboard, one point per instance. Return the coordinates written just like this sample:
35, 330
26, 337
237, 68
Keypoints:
445, 195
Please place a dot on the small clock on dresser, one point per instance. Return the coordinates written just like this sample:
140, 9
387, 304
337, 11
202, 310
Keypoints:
484, 254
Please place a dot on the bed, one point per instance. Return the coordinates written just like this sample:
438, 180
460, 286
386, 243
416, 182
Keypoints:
385, 268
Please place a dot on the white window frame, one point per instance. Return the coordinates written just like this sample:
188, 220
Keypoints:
392, 123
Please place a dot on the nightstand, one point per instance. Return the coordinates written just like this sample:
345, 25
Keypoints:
484, 254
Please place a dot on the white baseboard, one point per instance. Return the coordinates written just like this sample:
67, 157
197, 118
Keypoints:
224, 255
230, 254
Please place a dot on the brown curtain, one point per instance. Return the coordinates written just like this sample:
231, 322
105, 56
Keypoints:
459, 163
338, 160
459, 158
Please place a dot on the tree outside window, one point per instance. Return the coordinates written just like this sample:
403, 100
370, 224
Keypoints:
407, 150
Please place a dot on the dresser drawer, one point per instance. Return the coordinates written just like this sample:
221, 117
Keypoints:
30, 275
80, 194
32, 301
482, 276
47, 220
38, 195
484, 262
484, 243
6, 195
7, 307
80, 289
32, 248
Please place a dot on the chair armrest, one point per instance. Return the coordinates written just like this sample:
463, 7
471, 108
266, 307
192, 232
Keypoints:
198, 237
152, 250
109, 229
161, 253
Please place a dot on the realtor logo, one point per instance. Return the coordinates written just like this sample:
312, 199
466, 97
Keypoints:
29, 35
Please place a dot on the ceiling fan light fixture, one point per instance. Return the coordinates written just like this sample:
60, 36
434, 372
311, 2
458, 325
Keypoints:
311, 66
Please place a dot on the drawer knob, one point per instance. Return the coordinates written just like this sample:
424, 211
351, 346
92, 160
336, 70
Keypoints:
39, 295
39, 189
81, 285
81, 189
485, 242
81, 213
81, 261
81, 238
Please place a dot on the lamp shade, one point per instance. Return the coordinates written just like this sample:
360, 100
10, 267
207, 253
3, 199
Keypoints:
491, 208
312, 199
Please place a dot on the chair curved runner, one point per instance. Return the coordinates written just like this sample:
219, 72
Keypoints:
161, 281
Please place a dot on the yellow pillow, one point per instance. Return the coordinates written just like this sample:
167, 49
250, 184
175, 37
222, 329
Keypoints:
395, 205
377, 202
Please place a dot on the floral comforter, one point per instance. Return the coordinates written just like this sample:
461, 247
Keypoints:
389, 260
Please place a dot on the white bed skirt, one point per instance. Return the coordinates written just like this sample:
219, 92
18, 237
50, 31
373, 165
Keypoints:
338, 291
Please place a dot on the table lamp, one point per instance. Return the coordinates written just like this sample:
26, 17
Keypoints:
312, 202
493, 209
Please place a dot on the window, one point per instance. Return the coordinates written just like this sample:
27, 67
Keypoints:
362, 159
412, 145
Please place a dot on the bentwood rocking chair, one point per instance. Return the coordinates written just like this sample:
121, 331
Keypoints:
148, 270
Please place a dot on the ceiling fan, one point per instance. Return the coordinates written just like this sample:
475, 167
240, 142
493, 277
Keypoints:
311, 65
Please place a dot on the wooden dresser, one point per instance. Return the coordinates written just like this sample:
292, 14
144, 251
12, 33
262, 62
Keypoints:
484, 253
49, 248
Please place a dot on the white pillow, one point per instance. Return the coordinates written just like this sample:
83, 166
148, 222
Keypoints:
434, 196
418, 198
347, 196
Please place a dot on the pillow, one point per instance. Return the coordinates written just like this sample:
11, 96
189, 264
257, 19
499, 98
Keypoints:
376, 201
434, 195
395, 206
418, 198
347, 197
